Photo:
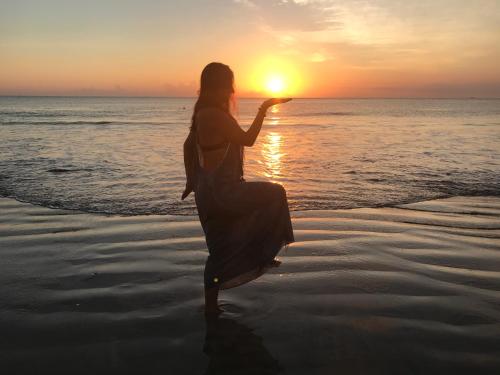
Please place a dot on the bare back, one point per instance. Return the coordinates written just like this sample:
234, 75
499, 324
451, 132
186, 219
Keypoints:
217, 128
209, 133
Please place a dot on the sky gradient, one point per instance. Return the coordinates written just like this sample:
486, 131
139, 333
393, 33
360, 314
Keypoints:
323, 48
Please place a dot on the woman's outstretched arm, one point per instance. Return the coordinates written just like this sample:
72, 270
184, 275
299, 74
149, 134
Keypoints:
230, 129
254, 130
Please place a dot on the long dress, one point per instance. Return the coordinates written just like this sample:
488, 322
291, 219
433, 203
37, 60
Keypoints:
246, 224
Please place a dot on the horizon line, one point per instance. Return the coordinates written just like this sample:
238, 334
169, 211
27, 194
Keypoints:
254, 97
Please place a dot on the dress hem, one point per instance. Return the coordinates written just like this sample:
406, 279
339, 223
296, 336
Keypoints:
254, 273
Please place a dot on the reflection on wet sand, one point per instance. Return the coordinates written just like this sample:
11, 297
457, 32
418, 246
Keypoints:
232, 348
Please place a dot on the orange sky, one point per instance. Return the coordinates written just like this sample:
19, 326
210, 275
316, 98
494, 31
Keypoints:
320, 48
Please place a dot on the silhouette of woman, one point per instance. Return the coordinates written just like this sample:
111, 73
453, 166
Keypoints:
245, 223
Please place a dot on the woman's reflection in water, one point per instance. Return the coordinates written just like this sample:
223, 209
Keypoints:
233, 348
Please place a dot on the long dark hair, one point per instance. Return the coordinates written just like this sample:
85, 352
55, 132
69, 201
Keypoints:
216, 89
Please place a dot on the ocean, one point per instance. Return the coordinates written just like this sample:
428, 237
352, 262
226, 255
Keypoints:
124, 155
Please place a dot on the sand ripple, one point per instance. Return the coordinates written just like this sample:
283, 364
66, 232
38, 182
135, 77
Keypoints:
409, 289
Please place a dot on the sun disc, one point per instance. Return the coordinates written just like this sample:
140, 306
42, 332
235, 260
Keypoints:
274, 76
275, 85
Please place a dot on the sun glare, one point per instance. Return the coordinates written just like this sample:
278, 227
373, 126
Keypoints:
275, 77
275, 85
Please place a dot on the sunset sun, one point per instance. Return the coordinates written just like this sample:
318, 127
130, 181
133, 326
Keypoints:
274, 76
275, 85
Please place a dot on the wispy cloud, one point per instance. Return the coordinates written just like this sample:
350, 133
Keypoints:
390, 32
289, 15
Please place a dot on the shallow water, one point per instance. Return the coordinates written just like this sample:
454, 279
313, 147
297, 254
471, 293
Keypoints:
406, 290
124, 155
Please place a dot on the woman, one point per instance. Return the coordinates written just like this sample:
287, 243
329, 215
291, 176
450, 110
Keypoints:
245, 223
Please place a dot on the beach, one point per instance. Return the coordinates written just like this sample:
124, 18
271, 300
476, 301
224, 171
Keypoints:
413, 288
356, 142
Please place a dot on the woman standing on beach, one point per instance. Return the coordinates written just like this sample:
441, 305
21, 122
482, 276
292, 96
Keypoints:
245, 223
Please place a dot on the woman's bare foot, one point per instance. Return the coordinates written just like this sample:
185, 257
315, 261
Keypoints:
275, 263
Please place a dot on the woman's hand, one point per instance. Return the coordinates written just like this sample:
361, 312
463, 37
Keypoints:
273, 101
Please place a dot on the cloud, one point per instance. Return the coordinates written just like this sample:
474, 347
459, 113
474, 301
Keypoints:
384, 34
317, 57
247, 3
288, 15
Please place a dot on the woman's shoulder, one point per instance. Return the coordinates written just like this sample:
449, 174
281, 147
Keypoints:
210, 113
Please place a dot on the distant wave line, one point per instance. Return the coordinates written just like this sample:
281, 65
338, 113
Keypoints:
325, 114
82, 122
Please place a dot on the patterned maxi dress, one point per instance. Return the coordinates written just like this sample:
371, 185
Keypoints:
245, 223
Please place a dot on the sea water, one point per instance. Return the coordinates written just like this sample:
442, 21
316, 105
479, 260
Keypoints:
124, 155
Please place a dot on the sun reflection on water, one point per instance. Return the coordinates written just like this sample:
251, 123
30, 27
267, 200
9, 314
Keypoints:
271, 152
274, 119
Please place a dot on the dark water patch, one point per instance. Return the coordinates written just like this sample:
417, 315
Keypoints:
41, 113
483, 124
80, 122
69, 170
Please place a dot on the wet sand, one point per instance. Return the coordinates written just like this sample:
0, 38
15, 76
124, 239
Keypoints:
413, 289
